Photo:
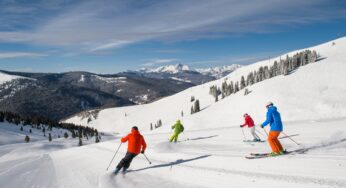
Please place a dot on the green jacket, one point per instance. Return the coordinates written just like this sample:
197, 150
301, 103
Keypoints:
178, 128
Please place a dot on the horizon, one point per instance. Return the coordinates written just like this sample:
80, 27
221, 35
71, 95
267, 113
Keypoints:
117, 36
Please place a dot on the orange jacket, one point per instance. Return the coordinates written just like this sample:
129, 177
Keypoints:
136, 142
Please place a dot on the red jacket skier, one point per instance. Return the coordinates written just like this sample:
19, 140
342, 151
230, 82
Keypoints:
250, 123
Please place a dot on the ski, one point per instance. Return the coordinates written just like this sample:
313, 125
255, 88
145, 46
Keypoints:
253, 141
265, 155
256, 157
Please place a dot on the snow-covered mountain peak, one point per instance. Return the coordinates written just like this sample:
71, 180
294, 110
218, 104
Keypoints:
219, 72
172, 69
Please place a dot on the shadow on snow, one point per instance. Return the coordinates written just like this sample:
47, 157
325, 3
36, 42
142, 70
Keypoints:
179, 161
199, 138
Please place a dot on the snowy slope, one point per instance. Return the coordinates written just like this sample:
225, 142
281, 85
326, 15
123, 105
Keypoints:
212, 157
312, 92
6, 77
210, 152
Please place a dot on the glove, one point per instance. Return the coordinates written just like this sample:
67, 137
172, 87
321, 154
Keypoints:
262, 126
142, 152
241, 126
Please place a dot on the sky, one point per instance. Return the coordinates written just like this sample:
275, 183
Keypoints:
110, 36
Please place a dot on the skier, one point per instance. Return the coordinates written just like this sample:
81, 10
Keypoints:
178, 128
274, 119
136, 145
249, 122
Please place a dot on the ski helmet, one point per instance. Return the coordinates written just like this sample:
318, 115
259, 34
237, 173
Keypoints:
269, 104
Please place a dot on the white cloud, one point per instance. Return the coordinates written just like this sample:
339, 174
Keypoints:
7, 55
102, 25
116, 44
158, 61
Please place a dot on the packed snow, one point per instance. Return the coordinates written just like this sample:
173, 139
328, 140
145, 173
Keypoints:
211, 151
7, 78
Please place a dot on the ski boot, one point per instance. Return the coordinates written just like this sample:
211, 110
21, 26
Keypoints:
117, 170
273, 154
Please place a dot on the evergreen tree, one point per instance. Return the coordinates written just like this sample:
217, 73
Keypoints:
236, 87
260, 74
27, 139
21, 128
65, 135
242, 82
30, 131
285, 68
89, 120
97, 140
80, 143
231, 87
49, 137
196, 106
192, 98
246, 92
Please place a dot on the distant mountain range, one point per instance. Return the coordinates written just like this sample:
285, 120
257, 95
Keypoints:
184, 73
59, 95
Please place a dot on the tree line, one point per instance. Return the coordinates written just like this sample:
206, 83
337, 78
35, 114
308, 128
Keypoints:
44, 124
281, 67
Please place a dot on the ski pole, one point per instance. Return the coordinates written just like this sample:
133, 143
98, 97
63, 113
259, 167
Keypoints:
260, 133
265, 131
114, 156
243, 133
147, 158
186, 136
290, 138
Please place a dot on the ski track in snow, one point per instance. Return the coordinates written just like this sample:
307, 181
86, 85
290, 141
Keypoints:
171, 148
37, 171
196, 161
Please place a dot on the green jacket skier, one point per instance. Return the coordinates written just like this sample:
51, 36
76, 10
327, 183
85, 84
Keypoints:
178, 128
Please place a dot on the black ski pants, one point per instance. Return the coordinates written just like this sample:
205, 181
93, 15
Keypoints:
126, 161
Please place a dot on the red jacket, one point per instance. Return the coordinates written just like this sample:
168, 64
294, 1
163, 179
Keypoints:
248, 121
136, 142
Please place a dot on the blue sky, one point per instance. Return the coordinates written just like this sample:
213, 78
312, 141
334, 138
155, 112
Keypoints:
109, 36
